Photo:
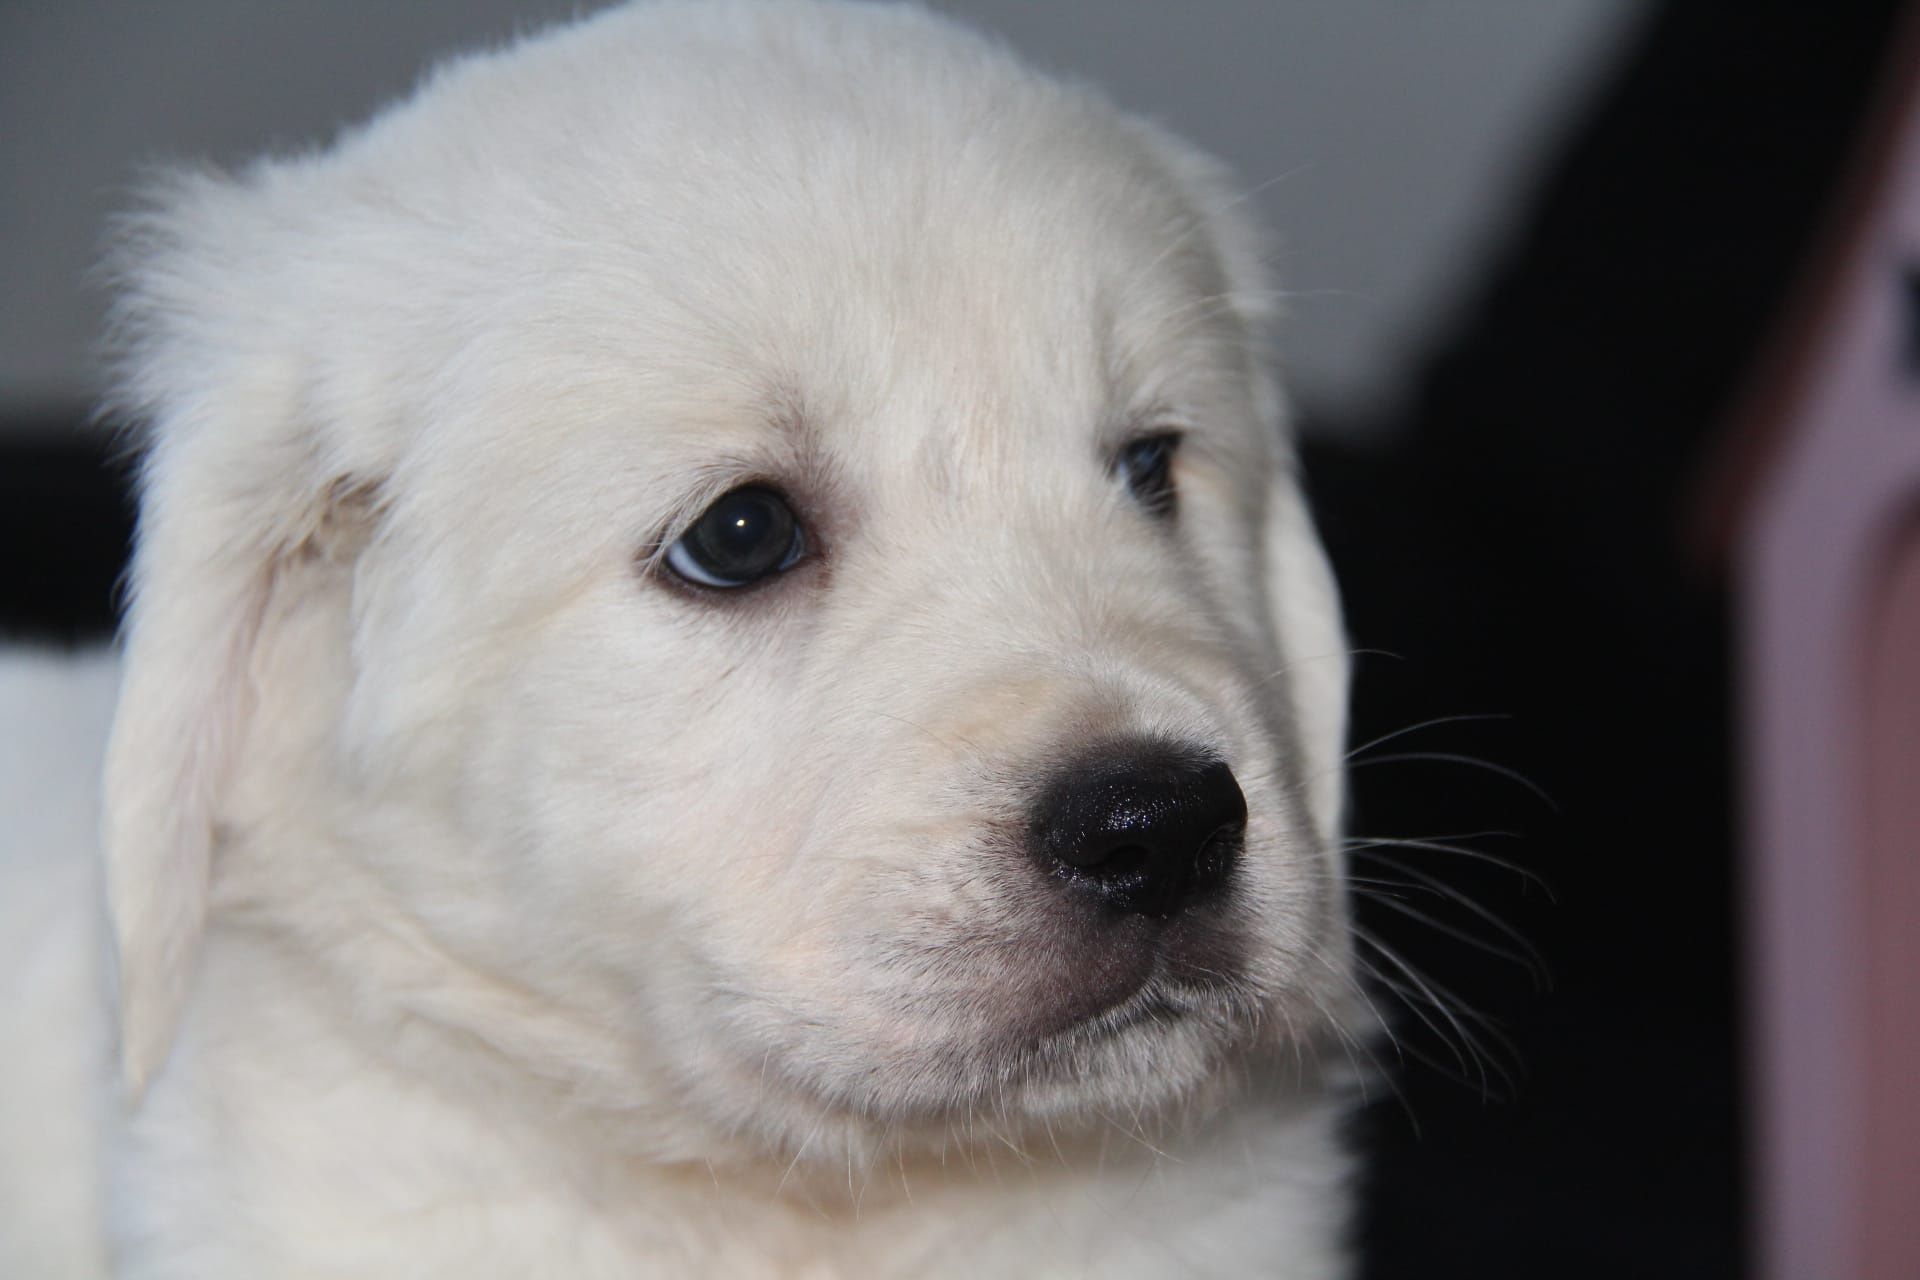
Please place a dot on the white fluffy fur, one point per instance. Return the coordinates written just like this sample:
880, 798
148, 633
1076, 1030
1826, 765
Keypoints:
485, 906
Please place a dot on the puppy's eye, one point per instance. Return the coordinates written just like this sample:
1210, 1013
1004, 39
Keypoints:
746, 535
1147, 466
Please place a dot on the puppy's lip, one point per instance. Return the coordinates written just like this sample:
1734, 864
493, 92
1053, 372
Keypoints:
1134, 970
1140, 1000
1101, 1016
1146, 1003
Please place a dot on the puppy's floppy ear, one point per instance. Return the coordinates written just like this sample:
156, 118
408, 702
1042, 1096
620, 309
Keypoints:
233, 486
1303, 600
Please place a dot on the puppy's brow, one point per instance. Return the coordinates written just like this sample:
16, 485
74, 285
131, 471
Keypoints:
1153, 418
785, 410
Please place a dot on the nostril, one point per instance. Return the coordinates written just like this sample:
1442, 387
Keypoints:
1145, 828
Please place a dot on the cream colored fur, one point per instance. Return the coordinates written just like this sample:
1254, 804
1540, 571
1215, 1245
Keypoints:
482, 904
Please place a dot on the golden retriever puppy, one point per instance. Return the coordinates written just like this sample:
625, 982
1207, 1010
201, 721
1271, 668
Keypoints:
727, 675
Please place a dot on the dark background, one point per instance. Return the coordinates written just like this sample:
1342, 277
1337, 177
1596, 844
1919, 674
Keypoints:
1525, 550
1513, 549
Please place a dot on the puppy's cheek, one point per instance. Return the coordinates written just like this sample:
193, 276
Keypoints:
595, 840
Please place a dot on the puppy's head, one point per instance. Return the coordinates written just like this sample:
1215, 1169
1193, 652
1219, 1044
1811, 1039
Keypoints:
746, 557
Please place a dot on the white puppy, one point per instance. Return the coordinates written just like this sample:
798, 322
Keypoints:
727, 676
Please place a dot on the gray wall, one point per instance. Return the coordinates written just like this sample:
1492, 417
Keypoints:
1386, 140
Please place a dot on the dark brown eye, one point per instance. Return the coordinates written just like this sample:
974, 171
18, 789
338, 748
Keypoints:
1147, 466
746, 535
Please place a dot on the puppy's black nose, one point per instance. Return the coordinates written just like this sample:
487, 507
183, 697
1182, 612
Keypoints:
1145, 828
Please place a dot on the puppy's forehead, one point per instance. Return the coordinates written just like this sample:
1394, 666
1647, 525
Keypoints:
680, 238
837, 205
915, 276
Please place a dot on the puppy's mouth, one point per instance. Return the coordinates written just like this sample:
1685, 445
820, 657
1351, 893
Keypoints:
1139, 974
1048, 1018
1153, 1003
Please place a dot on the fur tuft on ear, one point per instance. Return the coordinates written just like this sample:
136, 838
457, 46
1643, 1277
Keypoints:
233, 482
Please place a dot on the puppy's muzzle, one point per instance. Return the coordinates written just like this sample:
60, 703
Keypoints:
1141, 828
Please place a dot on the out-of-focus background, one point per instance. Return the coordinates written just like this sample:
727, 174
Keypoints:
1388, 139
1562, 273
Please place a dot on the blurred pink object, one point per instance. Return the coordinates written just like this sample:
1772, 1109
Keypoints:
1825, 489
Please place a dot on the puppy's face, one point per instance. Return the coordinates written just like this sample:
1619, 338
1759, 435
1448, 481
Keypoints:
837, 622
